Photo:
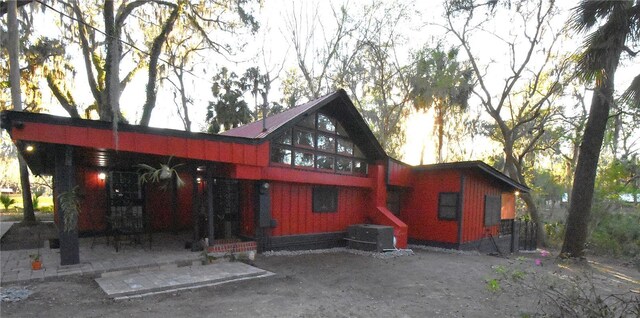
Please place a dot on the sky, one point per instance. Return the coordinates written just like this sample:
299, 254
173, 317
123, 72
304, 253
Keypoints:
420, 29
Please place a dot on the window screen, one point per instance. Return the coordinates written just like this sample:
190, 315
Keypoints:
325, 199
448, 205
492, 205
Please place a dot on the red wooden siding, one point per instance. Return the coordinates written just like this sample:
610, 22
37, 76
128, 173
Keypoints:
94, 200
247, 208
508, 211
191, 148
158, 205
399, 174
420, 210
476, 186
291, 207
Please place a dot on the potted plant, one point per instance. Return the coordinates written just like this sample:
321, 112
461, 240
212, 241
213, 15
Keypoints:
36, 263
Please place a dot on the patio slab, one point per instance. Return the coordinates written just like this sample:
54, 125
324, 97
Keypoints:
154, 281
95, 259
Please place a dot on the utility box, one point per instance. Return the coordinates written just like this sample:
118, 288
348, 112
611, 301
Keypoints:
370, 237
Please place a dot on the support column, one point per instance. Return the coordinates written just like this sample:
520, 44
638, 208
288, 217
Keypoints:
174, 204
64, 181
210, 208
195, 209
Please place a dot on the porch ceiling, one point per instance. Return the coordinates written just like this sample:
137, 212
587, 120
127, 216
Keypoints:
40, 157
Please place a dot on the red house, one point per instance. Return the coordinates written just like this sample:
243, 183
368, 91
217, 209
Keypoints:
296, 180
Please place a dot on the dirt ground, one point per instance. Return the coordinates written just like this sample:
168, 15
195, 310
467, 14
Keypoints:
427, 284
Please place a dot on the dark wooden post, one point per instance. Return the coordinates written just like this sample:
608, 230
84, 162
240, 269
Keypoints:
174, 203
210, 209
64, 181
195, 208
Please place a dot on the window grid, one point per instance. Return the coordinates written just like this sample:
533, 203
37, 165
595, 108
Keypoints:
323, 148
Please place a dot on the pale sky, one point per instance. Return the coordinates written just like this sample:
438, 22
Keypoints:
420, 30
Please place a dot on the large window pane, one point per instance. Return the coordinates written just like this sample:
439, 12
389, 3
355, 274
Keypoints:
304, 159
309, 121
344, 165
326, 143
285, 138
281, 155
340, 130
324, 162
345, 147
326, 123
303, 138
359, 167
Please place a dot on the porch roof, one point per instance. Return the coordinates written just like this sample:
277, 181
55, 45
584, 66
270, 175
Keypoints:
478, 166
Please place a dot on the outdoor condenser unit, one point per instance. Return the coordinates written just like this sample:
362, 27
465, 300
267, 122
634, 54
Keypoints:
370, 237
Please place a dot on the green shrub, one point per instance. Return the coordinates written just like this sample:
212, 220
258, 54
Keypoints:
6, 201
616, 235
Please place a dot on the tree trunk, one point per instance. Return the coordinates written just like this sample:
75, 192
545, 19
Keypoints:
585, 174
112, 66
156, 49
16, 100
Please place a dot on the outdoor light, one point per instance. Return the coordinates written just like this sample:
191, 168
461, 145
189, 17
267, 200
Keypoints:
29, 148
517, 193
102, 176
198, 179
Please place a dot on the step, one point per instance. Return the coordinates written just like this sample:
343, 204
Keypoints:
153, 281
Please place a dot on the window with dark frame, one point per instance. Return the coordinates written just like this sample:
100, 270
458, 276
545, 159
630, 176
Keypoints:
319, 143
448, 205
325, 199
492, 209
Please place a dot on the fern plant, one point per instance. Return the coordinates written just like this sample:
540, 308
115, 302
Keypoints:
70, 205
7, 201
160, 175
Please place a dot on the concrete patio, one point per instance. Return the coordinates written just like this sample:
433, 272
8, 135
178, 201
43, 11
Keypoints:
167, 250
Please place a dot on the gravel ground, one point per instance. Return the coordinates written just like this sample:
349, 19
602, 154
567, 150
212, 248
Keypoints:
327, 283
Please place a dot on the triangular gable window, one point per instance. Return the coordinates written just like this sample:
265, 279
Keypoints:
318, 142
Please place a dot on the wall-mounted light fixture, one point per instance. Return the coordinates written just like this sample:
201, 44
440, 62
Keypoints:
198, 179
264, 187
29, 148
517, 193
102, 176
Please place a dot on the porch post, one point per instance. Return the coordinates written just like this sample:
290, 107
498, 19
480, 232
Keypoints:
174, 204
195, 208
210, 211
64, 181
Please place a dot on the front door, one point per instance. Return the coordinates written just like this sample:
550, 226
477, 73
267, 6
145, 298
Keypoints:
226, 194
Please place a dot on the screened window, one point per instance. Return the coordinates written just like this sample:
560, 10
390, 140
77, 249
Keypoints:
492, 207
448, 205
281, 155
325, 199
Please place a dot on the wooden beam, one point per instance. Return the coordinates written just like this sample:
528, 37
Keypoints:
210, 207
4, 5
64, 181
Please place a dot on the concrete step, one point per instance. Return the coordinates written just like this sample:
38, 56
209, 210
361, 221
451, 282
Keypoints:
154, 281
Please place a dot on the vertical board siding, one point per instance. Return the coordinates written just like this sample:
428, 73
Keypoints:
291, 207
475, 188
93, 205
420, 209
247, 208
399, 173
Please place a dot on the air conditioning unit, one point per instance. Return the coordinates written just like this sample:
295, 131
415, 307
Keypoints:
370, 237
